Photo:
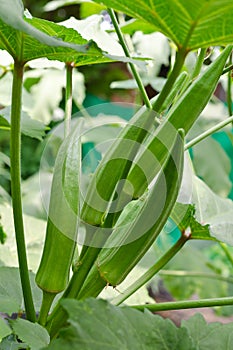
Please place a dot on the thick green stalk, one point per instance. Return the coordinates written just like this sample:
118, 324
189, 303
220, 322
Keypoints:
68, 98
132, 67
186, 304
152, 271
57, 317
15, 154
180, 58
207, 133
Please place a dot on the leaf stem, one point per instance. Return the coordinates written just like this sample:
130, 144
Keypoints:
227, 69
229, 88
152, 271
127, 53
15, 154
199, 62
186, 304
182, 273
207, 133
68, 98
180, 58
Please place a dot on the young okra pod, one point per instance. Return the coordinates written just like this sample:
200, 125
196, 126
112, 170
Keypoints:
138, 226
60, 242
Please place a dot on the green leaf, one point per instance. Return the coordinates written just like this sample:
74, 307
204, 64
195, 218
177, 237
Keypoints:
213, 210
98, 325
12, 14
29, 127
90, 8
131, 26
189, 24
4, 329
184, 217
209, 336
33, 334
11, 298
43, 38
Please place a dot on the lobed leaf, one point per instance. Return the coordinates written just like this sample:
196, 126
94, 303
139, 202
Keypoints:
184, 217
30, 38
207, 336
97, 325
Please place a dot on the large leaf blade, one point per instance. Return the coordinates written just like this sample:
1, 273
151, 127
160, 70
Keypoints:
128, 329
189, 24
30, 38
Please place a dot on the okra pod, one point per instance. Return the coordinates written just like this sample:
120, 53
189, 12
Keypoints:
182, 115
60, 242
145, 219
115, 166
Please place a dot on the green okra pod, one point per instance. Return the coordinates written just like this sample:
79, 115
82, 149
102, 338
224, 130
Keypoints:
182, 115
138, 226
115, 166
60, 242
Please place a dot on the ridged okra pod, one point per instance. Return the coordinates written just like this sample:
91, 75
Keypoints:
115, 166
60, 242
182, 115
138, 226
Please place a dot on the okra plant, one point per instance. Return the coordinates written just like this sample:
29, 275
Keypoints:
134, 190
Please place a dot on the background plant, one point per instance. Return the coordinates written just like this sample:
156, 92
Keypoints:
179, 105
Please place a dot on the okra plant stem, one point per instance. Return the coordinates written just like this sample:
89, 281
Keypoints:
186, 304
127, 53
180, 58
68, 98
15, 154
57, 317
152, 271
207, 133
